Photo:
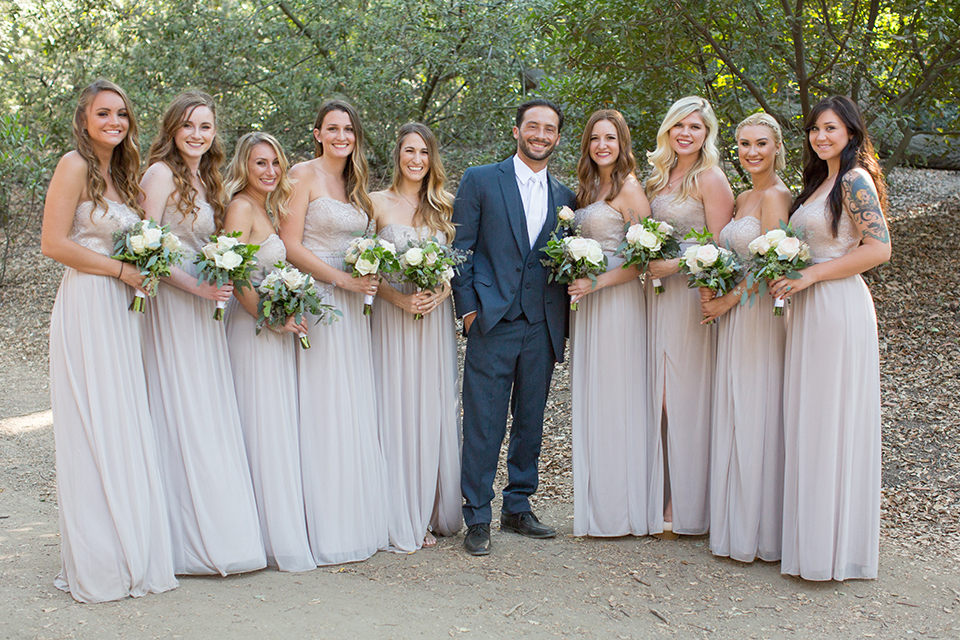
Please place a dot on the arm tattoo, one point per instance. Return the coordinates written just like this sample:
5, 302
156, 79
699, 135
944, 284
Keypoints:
864, 205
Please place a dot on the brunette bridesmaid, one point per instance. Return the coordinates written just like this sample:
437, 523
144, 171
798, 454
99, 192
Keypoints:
686, 188
746, 457
344, 479
415, 361
265, 365
213, 514
831, 500
612, 434
114, 539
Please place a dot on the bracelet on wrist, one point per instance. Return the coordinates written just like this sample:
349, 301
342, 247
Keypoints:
120, 275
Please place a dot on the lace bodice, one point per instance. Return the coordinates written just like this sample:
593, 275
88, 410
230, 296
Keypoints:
401, 235
739, 233
812, 222
684, 215
331, 225
95, 232
194, 231
271, 252
602, 223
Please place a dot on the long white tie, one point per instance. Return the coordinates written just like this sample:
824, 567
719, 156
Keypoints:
538, 207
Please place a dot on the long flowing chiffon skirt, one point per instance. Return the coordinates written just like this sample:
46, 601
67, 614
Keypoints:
265, 378
213, 513
683, 357
831, 503
415, 364
114, 535
746, 458
613, 434
344, 481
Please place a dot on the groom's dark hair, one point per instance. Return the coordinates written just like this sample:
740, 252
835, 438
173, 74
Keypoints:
539, 102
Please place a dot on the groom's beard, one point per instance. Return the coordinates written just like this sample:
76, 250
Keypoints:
530, 153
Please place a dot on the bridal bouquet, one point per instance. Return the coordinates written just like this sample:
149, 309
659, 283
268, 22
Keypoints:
226, 259
573, 257
288, 292
429, 264
708, 265
648, 240
153, 250
369, 254
778, 252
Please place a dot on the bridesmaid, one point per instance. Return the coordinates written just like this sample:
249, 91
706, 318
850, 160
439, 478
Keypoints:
265, 366
213, 514
415, 361
746, 458
608, 345
686, 188
344, 479
831, 500
114, 540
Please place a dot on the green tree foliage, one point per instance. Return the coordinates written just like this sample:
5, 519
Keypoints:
900, 59
454, 64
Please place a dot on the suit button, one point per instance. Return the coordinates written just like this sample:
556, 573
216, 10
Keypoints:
513, 289
519, 269
528, 285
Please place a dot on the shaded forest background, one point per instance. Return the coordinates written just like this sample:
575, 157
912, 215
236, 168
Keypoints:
462, 67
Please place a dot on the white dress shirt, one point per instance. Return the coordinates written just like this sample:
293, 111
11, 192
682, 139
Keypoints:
533, 193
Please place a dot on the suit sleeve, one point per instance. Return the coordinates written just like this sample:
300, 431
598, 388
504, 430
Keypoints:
466, 216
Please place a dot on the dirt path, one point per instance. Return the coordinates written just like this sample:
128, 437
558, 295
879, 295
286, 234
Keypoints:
568, 587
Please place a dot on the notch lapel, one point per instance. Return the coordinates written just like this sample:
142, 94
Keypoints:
513, 204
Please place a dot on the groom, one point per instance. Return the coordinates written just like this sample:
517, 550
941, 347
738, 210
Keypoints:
514, 321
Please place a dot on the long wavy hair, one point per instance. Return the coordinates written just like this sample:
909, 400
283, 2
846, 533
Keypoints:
236, 176
434, 202
766, 120
588, 173
858, 152
164, 149
125, 160
664, 157
356, 173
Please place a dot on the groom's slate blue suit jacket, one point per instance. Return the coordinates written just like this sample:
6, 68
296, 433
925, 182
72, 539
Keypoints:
488, 212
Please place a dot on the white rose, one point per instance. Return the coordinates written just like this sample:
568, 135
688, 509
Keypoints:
566, 214
365, 243
578, 247
759, 245
448, 274
272, 278
226, 242
707, 254
594, 253
292, 278
665, 228
152, 236
413, 256
775, 236
389, 246
210, 251
171, 242
137, 243
228, 260
649, 240
788, 248
633, 233
366, 267
805, 253
353, 252
431, 258
690, 259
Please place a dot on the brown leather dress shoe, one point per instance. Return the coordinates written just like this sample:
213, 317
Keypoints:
526, 524
477, 540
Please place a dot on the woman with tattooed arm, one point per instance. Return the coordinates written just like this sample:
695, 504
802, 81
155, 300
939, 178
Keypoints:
831, 520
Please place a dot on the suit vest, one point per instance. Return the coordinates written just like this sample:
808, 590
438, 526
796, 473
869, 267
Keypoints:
529, 298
